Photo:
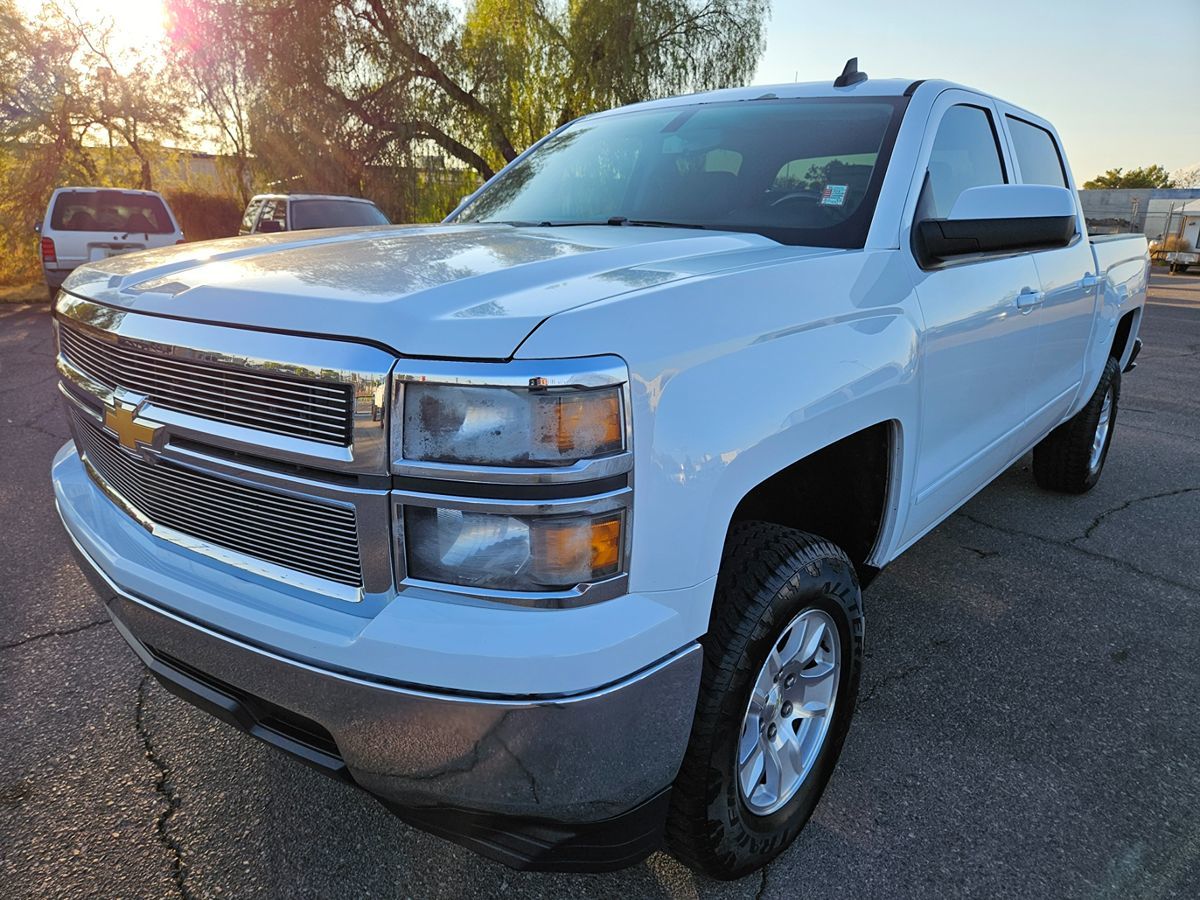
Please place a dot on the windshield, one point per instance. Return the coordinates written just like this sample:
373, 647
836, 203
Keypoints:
334, 214
116, 211
798, 171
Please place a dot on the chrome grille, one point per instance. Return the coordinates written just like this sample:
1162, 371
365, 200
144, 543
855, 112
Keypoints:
315, 411
315, 538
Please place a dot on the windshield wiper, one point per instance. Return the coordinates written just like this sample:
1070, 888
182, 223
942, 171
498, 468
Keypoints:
613, 220
653, 223
545, 223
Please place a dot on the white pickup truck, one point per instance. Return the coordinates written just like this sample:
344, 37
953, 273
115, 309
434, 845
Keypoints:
547, 525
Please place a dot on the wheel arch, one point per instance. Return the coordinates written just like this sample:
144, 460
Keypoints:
844, 491
1125, 335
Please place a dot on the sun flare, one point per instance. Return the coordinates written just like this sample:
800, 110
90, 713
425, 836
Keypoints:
138, 25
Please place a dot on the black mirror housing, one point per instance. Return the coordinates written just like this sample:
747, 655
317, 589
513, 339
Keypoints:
941, 239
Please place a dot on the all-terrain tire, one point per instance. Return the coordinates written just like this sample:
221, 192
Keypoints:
1068, 459
769, 575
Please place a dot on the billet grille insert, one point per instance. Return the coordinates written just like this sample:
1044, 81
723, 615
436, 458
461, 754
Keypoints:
311, 537
311, 410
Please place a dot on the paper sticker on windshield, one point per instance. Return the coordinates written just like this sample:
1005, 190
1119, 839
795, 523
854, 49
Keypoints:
834, 195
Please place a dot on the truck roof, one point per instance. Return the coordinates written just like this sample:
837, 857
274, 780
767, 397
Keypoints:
310, 197
871, 87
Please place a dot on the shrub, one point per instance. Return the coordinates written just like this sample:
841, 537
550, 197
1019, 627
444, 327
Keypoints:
203, 216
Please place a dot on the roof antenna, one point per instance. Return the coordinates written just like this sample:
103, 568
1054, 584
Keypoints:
850, 74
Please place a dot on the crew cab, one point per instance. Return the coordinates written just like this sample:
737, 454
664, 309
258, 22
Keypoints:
548, 525
86, 224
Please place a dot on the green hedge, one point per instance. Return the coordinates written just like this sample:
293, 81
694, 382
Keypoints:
203, 216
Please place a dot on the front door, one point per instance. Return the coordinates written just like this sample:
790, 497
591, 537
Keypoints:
980, 334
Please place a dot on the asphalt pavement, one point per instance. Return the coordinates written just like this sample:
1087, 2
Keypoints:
1029, 722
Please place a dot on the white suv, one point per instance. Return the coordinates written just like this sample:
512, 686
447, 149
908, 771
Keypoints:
85, 224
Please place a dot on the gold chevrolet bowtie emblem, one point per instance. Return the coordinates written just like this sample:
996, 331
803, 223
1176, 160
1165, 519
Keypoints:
121, 419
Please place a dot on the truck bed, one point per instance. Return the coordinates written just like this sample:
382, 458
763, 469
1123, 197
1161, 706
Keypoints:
1121, 260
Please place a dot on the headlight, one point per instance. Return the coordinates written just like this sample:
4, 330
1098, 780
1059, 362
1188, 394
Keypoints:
512, 552
504, 426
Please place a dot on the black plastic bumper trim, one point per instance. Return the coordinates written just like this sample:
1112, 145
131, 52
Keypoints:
280, 728
537, 845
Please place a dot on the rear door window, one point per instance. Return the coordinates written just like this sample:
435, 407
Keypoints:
274, 216
965, 154
334, 214
1037, 154
115, 211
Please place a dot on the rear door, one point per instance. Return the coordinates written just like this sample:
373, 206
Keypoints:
1067, 276
977, 343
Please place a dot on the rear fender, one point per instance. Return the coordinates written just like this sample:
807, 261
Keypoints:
1123, 284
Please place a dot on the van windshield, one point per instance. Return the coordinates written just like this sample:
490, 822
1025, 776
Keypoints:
334, 214
803, 171
116, 211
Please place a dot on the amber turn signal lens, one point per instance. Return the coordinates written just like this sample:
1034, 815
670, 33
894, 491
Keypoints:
589, 421
574, 550
606, 546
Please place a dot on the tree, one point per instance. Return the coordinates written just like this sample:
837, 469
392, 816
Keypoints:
1146, 177
539, 64
64, 90
125, 94
1187, 177
44, 118
362, 86
213, 54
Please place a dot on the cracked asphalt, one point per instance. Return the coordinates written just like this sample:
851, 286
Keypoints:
1029, 721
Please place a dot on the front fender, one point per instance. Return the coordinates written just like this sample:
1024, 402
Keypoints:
734, 377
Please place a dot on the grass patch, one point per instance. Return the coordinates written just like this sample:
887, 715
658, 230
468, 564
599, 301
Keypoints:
33, 292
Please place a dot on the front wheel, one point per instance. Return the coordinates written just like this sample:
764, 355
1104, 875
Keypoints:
782, 661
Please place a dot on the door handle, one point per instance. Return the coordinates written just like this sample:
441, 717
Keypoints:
1027, 299
1089, 281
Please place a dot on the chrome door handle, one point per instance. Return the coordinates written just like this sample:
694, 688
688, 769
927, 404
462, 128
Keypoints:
1089, 280
1027, 299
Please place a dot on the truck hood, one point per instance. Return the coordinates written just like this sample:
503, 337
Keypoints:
466, 291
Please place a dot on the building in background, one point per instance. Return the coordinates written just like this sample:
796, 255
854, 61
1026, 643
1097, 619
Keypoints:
1116, 211
1174, 218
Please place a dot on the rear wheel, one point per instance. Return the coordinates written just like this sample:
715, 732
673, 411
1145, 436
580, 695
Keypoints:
781, 669
1071, 458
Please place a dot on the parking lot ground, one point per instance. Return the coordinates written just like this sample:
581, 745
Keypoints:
1029, 723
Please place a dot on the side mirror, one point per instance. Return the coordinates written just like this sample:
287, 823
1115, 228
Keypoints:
1000, 218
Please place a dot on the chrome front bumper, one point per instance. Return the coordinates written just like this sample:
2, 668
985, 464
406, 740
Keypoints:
509, 777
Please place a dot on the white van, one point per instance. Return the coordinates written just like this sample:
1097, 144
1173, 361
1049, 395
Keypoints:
84, 224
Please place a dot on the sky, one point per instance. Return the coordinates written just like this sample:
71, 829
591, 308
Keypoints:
1122, 86
1119, 80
